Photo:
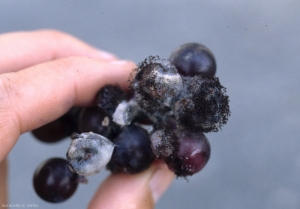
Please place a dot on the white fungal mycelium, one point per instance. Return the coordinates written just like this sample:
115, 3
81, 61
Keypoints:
89, 153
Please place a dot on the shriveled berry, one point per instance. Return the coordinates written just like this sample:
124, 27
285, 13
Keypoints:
193, 59
162, 145
203, 105
54, 182
59, 128
156, 85
89, 153
133, 152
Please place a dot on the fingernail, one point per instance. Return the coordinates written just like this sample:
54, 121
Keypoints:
160, 180
106, 55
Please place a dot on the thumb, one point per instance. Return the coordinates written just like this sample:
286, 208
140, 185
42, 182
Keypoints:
140, 190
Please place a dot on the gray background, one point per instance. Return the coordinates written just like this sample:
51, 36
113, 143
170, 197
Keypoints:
255, 161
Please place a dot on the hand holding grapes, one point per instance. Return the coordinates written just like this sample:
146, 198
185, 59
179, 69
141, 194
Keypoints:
44, 74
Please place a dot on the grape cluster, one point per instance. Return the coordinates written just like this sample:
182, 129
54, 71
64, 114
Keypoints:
184, 99
171, 103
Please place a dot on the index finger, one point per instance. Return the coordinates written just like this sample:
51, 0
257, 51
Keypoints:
37, 95
20, 50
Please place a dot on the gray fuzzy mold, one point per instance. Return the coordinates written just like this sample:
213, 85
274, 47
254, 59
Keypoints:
89, 153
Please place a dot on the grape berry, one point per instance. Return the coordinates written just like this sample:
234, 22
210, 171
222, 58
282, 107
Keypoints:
54, 182
133, 152
60, 128
96, 120
194, 59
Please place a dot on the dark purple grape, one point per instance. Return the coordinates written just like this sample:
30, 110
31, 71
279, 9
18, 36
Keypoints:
53, 181
94, 119
185, 152
109, 97
193, 59
132, 153
59, 128
192, 154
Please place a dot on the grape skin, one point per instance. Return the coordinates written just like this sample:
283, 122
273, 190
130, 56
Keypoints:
109, 97
185, 152
54, 182
194, 59
193, 153
60, 128
94, 119
132, 153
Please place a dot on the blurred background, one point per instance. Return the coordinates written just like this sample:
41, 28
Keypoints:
255, 159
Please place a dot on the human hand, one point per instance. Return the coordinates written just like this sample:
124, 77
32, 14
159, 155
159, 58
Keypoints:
45, 69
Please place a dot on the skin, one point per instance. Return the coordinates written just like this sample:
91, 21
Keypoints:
43, 69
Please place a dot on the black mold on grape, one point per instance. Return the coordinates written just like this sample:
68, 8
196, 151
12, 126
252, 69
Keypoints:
166, 144
148, 102
148, 94
204, 105
200, 104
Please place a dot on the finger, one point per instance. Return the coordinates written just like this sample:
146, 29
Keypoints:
120, 191
20, 50
3, 182
37, 95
